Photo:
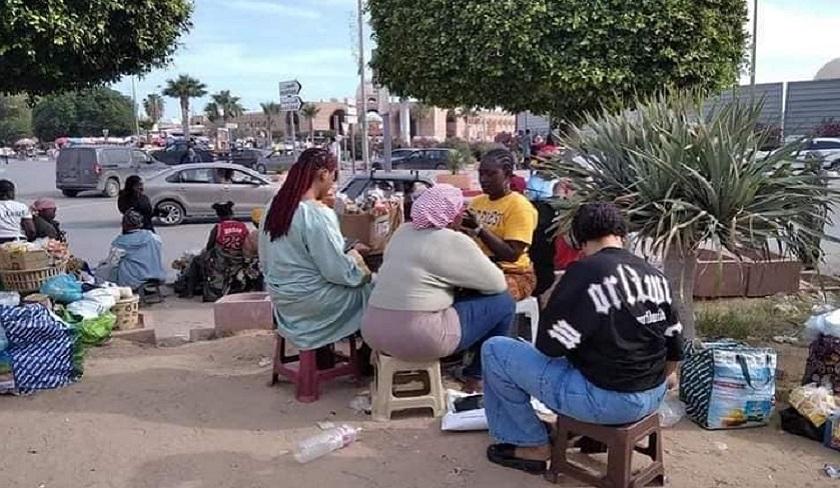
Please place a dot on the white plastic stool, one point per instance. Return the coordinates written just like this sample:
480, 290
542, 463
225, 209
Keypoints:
385, 402
530, 308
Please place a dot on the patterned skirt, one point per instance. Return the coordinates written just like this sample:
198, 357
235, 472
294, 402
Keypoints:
521, 283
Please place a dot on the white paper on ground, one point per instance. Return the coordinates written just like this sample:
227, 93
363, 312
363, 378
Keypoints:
461, 421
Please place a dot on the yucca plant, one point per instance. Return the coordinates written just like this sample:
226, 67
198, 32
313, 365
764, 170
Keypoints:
688, 177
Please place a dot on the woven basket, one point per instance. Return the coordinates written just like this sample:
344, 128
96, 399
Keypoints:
127, 311
28, 280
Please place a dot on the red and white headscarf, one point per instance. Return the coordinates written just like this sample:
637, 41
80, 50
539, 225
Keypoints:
437, 207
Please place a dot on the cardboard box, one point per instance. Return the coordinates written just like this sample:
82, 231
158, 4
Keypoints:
373, 231
24, 261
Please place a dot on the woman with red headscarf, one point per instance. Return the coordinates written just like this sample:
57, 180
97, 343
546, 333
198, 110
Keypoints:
319, 291
414, 313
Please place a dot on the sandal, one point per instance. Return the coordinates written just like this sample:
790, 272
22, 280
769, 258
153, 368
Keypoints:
503, 455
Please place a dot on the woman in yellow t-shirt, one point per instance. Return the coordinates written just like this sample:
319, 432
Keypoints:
503, 222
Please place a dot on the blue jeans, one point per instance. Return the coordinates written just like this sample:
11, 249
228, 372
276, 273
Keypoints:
483, 317
514, 371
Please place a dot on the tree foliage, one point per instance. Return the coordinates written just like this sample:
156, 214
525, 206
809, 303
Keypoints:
15, 119
49, 46
83, 114
557, 57
154, 107
224, 106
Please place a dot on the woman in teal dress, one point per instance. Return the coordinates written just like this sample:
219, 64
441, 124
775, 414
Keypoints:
319, 291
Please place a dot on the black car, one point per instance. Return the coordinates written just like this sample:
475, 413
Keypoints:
418, 159
248, 157
175, 153
406, 182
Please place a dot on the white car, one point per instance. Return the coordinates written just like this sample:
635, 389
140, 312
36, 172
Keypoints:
826, 149
190, 190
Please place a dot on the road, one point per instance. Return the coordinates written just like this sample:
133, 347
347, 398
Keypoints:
91, 222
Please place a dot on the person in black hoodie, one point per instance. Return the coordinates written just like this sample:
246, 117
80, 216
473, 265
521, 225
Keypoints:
132, 198
607, 342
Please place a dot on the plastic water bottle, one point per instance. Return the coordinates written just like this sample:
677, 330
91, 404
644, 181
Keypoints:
325, 443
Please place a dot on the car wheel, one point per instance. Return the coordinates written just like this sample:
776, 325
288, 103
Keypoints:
70, 193
260, 168
170, 213
112, 188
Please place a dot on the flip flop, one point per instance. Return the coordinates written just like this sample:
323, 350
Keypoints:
503, 455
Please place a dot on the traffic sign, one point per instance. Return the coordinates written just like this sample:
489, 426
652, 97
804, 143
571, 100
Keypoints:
290, 103
289, 88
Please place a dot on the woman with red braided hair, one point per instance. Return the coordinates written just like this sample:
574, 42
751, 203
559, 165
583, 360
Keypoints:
319, 291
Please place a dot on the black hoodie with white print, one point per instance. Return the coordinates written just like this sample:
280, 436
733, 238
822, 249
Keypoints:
613, 316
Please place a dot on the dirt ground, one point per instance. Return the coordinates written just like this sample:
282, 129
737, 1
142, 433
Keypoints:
202, 416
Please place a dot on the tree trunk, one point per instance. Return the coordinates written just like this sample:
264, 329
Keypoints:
311, 131
185, 118
268, 122
680, 266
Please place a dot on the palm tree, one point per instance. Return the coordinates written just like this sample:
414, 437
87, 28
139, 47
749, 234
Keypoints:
153, 105
271, 111
212, 112
310, 111
184, 88
688, 177
227, 105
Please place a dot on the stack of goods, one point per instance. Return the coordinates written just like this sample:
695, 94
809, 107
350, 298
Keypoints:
728, 384
371, 219
25, 266
814, 407
44, 339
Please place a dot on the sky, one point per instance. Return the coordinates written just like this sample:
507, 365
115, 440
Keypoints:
248, 46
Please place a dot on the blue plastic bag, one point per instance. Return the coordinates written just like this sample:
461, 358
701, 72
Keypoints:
63, 288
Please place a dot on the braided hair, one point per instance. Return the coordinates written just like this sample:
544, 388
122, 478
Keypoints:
502, 157
592, 221
300, 179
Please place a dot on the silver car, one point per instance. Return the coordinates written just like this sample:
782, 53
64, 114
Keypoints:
189, 191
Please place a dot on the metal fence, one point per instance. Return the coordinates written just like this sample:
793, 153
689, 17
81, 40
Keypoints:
797, 107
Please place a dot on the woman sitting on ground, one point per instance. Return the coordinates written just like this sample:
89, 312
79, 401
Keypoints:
43, 216
136, 256
223, 259
132, 197
319, 291
414, 313
503, 222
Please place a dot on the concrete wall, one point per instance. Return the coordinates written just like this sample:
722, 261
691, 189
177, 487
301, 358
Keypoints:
809, 103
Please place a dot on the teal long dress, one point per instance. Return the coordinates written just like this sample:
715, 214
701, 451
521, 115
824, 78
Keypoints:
319, 292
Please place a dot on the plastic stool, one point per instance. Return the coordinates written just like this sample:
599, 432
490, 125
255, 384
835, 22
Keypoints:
530, 307
306, 376
385, 402
621, 442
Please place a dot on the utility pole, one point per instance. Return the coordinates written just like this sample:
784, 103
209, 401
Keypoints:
754, 44
363, 113
134, 103
385, 112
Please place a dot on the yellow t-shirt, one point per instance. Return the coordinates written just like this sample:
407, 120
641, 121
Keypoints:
511, 218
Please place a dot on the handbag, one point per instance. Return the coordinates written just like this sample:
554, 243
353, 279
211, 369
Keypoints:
727, 385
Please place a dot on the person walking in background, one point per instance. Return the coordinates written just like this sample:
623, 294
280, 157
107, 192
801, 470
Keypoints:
15, 217
190, 156
132, 197
525, 141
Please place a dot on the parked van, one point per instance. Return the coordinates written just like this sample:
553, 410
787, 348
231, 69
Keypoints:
100, 168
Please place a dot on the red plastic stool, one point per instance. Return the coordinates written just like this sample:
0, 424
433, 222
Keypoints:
305, 374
